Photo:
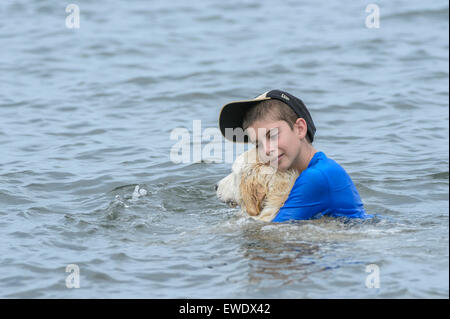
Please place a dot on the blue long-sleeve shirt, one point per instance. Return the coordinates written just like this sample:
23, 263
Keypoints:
323, 189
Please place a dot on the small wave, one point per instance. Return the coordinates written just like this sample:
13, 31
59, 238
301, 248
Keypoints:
141, 80
440, 176
438, 13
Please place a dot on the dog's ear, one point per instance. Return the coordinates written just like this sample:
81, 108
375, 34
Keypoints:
253, 192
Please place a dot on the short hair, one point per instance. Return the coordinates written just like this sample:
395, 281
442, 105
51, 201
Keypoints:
271, 109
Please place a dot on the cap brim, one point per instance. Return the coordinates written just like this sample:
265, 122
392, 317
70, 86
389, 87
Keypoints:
232, 115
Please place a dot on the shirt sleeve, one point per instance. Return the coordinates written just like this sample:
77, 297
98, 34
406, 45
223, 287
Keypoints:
308, 199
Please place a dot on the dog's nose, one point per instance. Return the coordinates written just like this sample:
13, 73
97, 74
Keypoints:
216, 187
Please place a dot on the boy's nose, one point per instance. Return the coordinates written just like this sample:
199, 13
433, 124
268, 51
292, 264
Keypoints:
265, 148
269, 149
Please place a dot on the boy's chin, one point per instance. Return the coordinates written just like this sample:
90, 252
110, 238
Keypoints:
280, 166
282, 169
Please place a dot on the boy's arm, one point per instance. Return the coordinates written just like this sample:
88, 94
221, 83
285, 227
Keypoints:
309, 197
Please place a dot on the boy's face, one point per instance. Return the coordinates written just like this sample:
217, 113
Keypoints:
276, 142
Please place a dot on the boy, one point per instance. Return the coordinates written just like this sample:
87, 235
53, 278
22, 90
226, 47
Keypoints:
282, 128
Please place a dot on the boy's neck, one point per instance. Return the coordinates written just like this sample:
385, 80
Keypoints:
305, 157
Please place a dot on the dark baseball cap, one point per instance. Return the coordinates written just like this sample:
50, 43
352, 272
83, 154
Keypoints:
232, 114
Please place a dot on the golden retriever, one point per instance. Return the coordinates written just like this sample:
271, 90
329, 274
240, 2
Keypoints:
258, 188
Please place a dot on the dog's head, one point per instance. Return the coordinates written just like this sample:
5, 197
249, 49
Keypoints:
248, 184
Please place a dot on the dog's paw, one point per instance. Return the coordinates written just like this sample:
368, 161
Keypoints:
138, 192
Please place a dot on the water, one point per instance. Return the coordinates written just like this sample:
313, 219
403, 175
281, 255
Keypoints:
86, 116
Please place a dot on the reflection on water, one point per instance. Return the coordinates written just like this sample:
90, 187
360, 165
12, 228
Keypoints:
278, 255
285, 263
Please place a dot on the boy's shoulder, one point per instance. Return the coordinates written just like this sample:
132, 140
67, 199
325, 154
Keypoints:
321, 170
325, 164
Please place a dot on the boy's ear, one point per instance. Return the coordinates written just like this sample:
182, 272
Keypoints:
302, 127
